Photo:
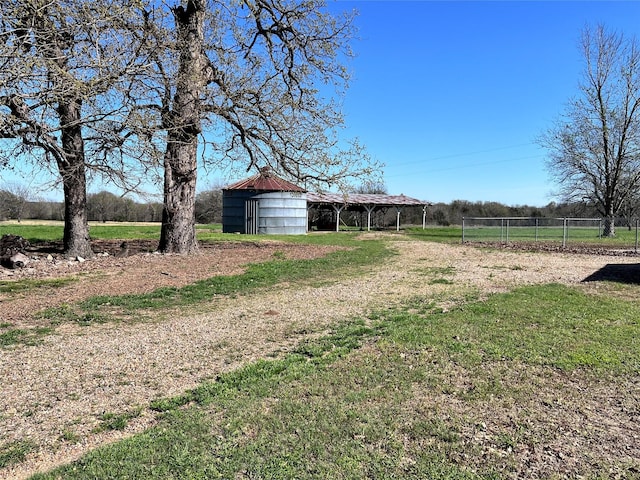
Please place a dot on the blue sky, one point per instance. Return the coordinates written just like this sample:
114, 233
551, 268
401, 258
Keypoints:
451, 95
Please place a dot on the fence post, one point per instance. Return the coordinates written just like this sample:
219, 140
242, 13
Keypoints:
600, 228
537, 222
565, 228
636, 247
507, 233
462, 229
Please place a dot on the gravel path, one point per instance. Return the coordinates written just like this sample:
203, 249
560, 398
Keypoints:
54, 394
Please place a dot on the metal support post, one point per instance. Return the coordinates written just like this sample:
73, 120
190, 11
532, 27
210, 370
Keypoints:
462, 229
600, 228
507, 231
369, 209
338, 210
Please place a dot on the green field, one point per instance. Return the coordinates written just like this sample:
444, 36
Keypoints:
625, 238
576, 235
53, 231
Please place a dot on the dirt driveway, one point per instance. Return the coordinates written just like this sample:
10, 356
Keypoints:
55, 393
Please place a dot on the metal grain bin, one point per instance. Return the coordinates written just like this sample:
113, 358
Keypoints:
283, 213
264, 204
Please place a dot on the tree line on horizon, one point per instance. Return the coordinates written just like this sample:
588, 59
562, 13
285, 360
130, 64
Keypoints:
105, 206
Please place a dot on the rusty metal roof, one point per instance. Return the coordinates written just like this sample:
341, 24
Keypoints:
265, 181
362, 199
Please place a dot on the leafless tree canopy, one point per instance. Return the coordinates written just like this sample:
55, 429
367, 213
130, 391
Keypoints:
594, 150
273, 74
64, 68
63, 56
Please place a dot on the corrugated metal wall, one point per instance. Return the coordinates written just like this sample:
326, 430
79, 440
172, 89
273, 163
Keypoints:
233, 216
283, 213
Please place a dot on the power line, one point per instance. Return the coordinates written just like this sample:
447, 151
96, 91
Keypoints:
457, 155
467, 166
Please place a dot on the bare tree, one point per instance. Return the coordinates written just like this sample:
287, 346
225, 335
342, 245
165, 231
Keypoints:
6, 200
102, 206
254, 80
371, 186
63, 71
209, 204
594, 150
15, 199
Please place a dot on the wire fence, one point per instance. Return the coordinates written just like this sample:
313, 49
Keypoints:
565, 231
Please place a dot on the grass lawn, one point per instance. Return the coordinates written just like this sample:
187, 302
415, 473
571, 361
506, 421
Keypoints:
624, 238
412, 393
52, 231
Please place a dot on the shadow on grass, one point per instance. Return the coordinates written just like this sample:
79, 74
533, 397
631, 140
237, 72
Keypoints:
620, 273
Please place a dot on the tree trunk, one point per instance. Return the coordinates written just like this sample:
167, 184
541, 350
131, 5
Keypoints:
609, 226
72, 170
183, 124
178, 234
76, 229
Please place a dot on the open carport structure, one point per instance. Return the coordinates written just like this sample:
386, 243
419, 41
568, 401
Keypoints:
368, 201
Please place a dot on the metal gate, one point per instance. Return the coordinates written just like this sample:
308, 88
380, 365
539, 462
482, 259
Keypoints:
251, 217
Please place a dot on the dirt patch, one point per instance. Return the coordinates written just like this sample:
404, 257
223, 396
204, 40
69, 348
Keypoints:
55, 394
582, 249
138, 269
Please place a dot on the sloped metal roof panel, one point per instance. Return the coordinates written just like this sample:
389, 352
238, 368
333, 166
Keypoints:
362, 199
267, 182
